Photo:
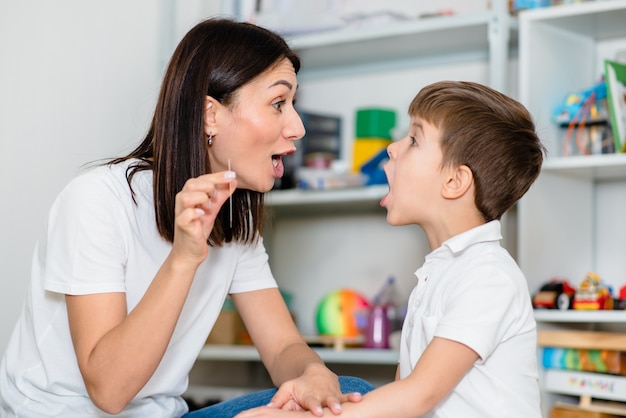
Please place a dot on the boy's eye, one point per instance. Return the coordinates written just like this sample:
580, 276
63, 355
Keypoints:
412, 140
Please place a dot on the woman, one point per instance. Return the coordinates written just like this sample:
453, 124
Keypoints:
140, 253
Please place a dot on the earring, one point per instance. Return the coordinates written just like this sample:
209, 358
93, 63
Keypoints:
210, 140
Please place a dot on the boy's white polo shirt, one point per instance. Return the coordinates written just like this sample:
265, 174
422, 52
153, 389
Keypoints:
470, 290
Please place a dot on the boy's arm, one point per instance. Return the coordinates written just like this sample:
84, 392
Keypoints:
438, 371
442, 366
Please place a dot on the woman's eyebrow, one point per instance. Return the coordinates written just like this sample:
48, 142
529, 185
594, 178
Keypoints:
282, 82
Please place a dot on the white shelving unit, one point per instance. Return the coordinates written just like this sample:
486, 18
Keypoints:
571, 221
319, 241
324, 239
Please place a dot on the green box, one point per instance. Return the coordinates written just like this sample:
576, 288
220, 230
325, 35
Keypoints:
375, 123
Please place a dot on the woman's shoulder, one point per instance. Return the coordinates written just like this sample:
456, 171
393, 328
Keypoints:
102, 177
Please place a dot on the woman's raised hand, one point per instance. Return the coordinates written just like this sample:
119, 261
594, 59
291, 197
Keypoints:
197, 206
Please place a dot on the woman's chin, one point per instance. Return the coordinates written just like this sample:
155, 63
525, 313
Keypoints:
257, 186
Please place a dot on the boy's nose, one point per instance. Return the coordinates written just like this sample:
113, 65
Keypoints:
391, 150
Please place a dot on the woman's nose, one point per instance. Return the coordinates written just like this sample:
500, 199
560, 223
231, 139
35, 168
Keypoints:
295, 128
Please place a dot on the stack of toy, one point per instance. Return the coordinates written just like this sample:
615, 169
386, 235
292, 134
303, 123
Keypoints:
373, 135
589, 351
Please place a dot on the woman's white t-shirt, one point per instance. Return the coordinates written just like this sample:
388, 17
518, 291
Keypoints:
98, 240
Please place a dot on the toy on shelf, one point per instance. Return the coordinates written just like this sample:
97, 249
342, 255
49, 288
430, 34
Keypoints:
556, 294
592, 294
585, 117
597, 361
337, 313
373, 135
620, 301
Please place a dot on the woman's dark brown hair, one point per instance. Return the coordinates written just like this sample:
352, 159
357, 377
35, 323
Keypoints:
215, 58
488, 132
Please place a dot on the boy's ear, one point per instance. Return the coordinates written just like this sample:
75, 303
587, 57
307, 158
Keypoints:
458, 182
210, 110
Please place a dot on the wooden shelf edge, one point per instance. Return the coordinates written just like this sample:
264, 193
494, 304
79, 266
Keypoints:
586, 340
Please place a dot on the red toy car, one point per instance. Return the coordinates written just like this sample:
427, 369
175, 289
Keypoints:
556, 294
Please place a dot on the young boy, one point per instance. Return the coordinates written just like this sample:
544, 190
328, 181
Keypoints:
468, 346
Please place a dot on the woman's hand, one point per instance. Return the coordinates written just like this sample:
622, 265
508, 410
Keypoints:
318, 387
304, 382
197, 206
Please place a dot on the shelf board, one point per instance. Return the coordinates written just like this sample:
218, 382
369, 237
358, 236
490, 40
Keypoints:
353, 45
329, 355
597, 19
580, 316
350, 200
596, 385
589, 167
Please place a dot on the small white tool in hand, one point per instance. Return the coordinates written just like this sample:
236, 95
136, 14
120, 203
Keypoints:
230, 199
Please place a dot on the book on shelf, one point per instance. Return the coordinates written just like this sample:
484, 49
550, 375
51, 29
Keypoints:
615, 76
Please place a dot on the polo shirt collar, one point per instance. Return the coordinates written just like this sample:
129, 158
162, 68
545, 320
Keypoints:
491, 231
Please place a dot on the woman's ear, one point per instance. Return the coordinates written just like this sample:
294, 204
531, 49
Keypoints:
210, 109
458, 182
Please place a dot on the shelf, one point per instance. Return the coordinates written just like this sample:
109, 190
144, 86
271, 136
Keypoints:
350, 200
407, 43
427, 36
574, 316
596, 385
329, 355
599, 19
561, 51
589, 167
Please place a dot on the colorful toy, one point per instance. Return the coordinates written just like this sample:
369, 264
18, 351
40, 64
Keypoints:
600, 361
578, 110
556, 294
592, 294
576, 104
337, 313
620, 301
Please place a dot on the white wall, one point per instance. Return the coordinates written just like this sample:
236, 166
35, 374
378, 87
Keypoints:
78, 81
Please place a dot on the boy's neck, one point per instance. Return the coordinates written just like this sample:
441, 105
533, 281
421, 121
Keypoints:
451, 226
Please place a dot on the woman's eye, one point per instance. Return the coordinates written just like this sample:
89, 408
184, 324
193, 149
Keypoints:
278, 105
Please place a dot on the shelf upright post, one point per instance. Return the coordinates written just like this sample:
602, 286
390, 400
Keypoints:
499, 45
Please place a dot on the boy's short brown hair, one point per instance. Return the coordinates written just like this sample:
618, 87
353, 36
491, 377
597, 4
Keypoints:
490, 133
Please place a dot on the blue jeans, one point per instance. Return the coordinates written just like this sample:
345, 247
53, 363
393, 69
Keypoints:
230, 408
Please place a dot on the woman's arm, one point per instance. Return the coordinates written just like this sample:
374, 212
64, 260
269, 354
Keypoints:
441, 367
117, 352
305, 380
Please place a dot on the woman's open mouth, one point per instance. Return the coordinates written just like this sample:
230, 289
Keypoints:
277, 163
279, 167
